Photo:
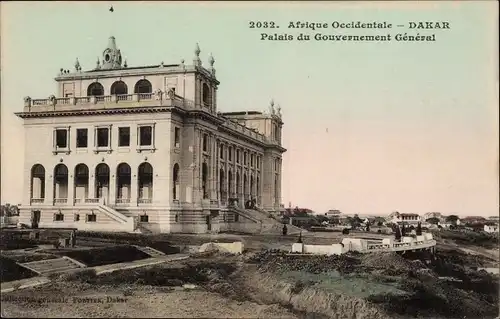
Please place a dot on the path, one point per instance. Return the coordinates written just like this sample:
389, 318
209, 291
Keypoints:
40, 280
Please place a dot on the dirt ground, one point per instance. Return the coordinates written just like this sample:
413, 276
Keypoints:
266, 283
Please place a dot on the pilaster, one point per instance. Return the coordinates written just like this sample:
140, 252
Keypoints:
71, 190
49, 189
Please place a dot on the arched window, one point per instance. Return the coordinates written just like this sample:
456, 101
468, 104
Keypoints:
119, 87
143, 86
61, 182
95, 89
206, 93
101, 181
145, 181
38, 181
123, 181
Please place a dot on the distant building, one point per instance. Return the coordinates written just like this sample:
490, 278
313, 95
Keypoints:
491, 228
406, 218
333, 213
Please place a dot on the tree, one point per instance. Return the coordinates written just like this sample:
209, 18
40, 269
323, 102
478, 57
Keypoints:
367, 227
398, 232
419, 229
355, 221
452, 219
432, 220
403, 231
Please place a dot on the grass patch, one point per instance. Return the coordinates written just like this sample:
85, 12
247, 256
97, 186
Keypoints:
106, 255
11, 271
482, 239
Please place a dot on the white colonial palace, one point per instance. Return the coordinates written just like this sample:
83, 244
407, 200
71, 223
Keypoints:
145, 149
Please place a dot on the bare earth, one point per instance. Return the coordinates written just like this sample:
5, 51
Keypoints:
145, 302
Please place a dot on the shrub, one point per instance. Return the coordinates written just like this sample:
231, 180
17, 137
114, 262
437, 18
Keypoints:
345, 231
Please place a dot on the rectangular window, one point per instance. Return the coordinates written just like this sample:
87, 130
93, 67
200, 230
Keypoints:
77, 217
238, 155
91, 218
205, 142
258, 161
61, 138
82, 137
103, 137
251, 160
221, 151
245, 158
177, 137
145, 135
144, 219
230, 154
124, 136
59, 217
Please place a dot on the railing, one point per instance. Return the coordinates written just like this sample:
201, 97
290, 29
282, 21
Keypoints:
123, 200
145, 96
37, 200
243, 129
92, 200
144, 200
28, 102
60, 200
402, 245
78, 200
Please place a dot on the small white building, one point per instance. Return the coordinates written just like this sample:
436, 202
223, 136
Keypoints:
491, 228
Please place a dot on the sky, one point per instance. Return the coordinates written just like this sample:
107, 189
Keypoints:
370, 128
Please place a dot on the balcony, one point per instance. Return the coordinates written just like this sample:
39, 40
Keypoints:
59, 201
51, 104
144, 201
37, 200
123, 201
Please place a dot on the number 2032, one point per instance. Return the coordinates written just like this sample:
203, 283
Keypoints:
264, 25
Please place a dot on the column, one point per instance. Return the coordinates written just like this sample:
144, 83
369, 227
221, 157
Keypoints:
213, 168
112, 187
134, 185
199, 148
49, 190
71, 190
91, 191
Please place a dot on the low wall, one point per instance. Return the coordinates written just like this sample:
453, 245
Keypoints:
335, 249
424, 241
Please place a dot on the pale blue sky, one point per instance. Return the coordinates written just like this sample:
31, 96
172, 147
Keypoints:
411, 126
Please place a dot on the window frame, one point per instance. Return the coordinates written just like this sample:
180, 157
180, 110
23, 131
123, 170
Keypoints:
107, 148
56, 215
55, 148
141, 147
177, 137
119, 135
86, 140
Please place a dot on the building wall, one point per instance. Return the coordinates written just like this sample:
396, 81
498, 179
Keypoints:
39, 146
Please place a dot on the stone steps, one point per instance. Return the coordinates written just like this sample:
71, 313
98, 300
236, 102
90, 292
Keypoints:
150, 251
45, 267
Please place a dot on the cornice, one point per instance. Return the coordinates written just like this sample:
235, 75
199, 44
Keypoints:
135, 110
116, 73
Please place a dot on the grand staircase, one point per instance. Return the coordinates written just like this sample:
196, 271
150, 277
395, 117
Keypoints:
47, 267
269, 224
127, 224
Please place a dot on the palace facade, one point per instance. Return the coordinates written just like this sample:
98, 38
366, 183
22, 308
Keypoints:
124, 148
